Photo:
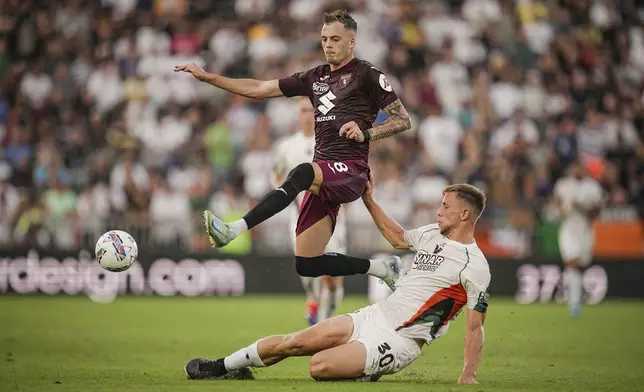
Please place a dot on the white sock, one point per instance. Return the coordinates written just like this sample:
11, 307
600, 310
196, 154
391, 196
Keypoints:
317, 288
238, 227
339, 296
575, 285
378, 269
330, 302
308, 283
247, 356
324, 311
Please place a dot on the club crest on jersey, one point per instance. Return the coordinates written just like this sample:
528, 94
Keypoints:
344, 80
438, 248
424, 261
320, 88
484, 297
384, 83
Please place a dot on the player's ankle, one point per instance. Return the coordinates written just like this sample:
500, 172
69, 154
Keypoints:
377, 269
238, 227
245, 357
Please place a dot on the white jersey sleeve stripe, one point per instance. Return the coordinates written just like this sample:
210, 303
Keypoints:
465, 266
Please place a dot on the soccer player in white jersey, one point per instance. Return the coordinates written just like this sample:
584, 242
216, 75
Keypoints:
579, 198
290, 151
449, 273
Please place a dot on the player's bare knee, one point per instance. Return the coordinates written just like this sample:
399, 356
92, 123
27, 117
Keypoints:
320, 368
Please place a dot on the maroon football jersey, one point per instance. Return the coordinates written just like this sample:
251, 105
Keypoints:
354, 92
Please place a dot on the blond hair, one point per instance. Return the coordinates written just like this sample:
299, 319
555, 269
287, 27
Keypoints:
341, 16
471, 195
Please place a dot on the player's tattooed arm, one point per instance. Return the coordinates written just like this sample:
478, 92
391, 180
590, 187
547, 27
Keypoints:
398, 121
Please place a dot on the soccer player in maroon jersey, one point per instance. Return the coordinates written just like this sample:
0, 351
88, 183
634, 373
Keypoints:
346, 94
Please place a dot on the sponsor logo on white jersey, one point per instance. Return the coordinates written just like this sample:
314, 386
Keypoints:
427, 262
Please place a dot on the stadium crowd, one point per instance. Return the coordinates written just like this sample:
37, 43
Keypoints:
97, 132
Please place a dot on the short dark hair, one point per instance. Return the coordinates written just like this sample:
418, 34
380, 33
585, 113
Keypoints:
470, 194
343, 17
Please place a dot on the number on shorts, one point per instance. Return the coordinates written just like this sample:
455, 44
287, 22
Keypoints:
339, 167
386, 359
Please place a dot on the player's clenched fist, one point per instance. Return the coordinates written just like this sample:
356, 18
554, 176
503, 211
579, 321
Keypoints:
193, 68
351, 130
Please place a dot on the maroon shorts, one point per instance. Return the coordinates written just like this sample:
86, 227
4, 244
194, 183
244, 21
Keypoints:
342, 182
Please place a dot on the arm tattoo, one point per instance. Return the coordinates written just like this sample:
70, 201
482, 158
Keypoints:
397, 122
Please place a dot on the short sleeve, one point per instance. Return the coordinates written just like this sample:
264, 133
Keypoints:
414, 237
298, 84
477, 286
376, 83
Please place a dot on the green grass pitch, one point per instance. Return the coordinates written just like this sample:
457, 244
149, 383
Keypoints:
141, 344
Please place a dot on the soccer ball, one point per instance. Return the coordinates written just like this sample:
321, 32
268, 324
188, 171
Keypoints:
116, 251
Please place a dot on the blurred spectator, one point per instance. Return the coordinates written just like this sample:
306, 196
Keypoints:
170, 218
441, 139
565, 150
59, 203
515, 137
37, 85
427, 195
451, 79
257, 162
9, 203
128, 181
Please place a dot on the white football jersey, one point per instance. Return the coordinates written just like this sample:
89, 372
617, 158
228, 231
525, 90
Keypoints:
572, 192
290, 152
445, 276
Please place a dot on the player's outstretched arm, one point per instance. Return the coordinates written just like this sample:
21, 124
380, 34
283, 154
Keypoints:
250, 88
474, 337
398, 121
390, 229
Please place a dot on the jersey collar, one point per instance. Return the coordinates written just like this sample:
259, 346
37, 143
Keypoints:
347, 67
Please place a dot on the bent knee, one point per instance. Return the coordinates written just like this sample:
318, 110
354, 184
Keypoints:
307, 266
321, 368
303, 175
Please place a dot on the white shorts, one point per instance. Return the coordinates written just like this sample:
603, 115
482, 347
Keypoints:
576, 243
338, 241
388, 352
